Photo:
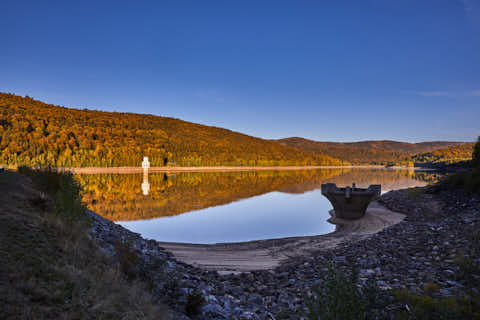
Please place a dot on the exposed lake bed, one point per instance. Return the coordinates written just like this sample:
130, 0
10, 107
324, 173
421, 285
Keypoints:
409, 239
252, 229
238, 257
417, 251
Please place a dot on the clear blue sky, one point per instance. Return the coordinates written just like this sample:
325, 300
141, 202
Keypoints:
326, 70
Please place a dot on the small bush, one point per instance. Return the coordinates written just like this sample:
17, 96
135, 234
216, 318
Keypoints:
470, 181
339, 298
469, 262
63, 188
431, 288
127, 258
428, 307
415, 193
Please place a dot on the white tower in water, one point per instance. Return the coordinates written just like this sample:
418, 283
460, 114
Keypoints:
145, 163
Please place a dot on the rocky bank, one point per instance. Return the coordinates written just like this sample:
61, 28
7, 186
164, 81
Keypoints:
423, 249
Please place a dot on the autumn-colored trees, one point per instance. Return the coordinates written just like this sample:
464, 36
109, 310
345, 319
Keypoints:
358, 155
448, 155
387, 152
476, 154
33, 133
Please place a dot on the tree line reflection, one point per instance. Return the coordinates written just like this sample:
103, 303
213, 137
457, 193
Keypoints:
136, 196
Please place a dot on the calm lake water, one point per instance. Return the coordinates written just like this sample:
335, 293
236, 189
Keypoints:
214, 207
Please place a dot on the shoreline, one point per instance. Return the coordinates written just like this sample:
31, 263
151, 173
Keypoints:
128, 170
417, 251
267, 254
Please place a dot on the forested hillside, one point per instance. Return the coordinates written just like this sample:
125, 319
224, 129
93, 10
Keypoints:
452, 154
405, 147
347, 152
34, 133
386, 152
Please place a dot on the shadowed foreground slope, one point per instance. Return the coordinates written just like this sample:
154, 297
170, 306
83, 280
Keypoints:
49, 267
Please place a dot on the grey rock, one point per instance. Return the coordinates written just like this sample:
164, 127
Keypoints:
213, 311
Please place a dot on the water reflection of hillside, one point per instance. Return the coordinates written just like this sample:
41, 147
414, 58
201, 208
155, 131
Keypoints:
389, 179
120, 197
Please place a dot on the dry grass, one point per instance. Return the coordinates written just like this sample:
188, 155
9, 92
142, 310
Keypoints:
49, 267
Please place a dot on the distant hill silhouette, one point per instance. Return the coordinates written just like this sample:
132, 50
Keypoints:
410, 148
385, 151
34, 133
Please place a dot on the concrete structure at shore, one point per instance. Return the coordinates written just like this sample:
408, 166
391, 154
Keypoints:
350, 202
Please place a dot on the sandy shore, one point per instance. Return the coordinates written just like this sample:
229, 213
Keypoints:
126, 170
267, 254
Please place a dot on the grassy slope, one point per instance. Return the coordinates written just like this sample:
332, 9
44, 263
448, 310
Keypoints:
49, 267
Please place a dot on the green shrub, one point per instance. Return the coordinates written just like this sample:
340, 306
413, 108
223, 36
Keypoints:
468, 261
461, 306
414, 193
62, 188
339, 298
427, 306
127, 258
470, 181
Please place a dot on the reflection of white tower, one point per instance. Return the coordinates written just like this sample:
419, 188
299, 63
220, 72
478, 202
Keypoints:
145, 184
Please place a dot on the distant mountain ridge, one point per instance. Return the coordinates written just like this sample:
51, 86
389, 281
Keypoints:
406, 147
458, 153
380, 151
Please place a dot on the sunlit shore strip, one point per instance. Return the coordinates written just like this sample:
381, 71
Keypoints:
95, 170
270, 253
